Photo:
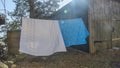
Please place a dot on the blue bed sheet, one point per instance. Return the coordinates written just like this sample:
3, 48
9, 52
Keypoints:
74, 31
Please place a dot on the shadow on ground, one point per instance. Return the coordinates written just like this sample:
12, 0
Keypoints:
71, 59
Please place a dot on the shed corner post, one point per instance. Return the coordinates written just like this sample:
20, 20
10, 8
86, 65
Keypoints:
92, 48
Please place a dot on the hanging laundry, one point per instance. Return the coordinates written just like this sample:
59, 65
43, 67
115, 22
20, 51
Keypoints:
41, 37
74, 31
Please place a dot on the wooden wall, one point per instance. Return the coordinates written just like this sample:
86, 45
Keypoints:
101, 26
13, 39
115, 6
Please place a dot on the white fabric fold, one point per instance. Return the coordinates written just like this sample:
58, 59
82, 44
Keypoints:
41, 37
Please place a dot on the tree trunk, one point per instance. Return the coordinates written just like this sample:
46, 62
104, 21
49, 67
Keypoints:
31, 4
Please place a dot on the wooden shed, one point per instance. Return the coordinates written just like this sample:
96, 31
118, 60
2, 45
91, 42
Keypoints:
104, 24
102, 18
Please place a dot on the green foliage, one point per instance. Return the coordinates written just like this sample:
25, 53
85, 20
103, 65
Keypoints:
21, 9
46, 8
14, 25
2, 16
42, 9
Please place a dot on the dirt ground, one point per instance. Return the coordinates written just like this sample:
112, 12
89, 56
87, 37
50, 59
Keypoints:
72, 59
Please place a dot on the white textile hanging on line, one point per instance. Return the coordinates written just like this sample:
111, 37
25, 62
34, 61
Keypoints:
41, 37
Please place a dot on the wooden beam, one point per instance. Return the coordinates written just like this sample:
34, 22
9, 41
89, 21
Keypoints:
115, 39
92, 48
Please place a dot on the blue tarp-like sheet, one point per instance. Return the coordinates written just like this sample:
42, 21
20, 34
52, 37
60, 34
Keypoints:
73, 31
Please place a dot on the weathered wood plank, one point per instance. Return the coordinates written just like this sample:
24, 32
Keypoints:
115, 22
91, 20
100, 23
